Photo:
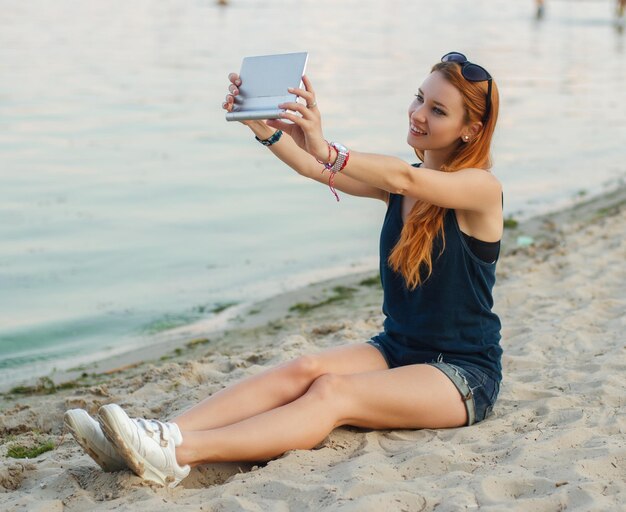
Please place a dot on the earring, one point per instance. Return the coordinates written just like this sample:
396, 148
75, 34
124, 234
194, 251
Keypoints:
466, 138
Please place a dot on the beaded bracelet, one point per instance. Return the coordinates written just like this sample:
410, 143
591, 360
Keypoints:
272, 139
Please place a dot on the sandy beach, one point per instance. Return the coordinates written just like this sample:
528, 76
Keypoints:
555, 440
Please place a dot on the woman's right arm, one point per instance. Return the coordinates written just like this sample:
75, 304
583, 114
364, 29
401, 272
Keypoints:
301, 161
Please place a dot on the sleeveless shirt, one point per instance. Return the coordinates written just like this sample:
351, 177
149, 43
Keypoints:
450, 314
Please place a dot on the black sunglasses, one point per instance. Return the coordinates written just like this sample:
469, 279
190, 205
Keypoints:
473, 73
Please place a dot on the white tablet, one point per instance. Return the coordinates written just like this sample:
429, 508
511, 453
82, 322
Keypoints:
264, 83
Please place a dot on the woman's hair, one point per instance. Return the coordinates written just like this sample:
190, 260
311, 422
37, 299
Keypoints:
412, 255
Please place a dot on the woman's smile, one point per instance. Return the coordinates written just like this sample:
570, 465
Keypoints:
417, 132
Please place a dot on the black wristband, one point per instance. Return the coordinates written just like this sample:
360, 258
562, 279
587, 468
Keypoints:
273, 139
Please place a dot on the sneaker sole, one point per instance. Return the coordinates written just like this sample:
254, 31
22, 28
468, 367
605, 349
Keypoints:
138, 465
76, 431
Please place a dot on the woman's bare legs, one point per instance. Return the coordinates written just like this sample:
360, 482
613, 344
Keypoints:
277, 386
414, 396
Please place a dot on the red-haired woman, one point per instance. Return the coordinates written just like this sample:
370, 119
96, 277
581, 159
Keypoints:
437, 362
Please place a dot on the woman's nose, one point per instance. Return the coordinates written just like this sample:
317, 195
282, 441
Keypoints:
418, 114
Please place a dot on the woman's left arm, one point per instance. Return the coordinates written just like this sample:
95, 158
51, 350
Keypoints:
467, 189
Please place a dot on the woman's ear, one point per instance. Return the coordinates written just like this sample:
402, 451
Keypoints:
474, 129
471, 131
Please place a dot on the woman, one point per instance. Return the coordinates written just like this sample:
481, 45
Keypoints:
437, 362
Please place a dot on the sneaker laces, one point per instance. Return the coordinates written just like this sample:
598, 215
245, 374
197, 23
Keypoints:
154, 427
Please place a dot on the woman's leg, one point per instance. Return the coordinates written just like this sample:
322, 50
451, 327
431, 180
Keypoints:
277, 386
415, 396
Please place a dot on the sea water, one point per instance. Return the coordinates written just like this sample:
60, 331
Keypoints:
129, 206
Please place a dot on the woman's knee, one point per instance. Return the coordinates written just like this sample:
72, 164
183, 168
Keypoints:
331, 393
306, 368
327, 387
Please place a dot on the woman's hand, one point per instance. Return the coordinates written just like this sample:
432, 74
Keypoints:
306, 130
233, 90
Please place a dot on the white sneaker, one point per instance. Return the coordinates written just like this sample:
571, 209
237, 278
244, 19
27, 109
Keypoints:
147, 446
88, 434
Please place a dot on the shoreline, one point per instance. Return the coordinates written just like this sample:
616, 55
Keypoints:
538, 231
239, 317
554, 440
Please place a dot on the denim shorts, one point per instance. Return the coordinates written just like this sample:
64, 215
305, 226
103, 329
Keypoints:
478, 389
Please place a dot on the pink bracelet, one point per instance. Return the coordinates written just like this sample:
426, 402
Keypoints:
331, 184
319, 161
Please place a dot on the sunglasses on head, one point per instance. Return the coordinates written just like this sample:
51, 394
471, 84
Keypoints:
473, 73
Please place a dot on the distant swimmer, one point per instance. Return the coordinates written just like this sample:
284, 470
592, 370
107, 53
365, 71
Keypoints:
540, 5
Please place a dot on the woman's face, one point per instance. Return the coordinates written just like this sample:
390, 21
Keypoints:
436, 115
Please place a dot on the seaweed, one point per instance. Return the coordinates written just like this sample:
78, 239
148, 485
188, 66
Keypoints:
19, 451
340, 293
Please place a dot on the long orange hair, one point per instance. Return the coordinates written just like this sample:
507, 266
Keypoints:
412, 255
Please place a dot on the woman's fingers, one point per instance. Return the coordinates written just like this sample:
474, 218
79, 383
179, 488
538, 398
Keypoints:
233, 90
228, 102
306, 112
311, 102
307, 84
296, 107
293, 118
307, 96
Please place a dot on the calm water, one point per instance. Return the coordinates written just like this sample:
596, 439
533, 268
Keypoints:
128, 205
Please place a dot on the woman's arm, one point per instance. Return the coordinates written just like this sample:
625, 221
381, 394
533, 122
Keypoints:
467, 189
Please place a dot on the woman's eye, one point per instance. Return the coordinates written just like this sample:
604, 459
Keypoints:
419, 98
438, 111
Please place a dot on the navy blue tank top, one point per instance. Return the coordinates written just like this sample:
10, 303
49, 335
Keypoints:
449, 315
